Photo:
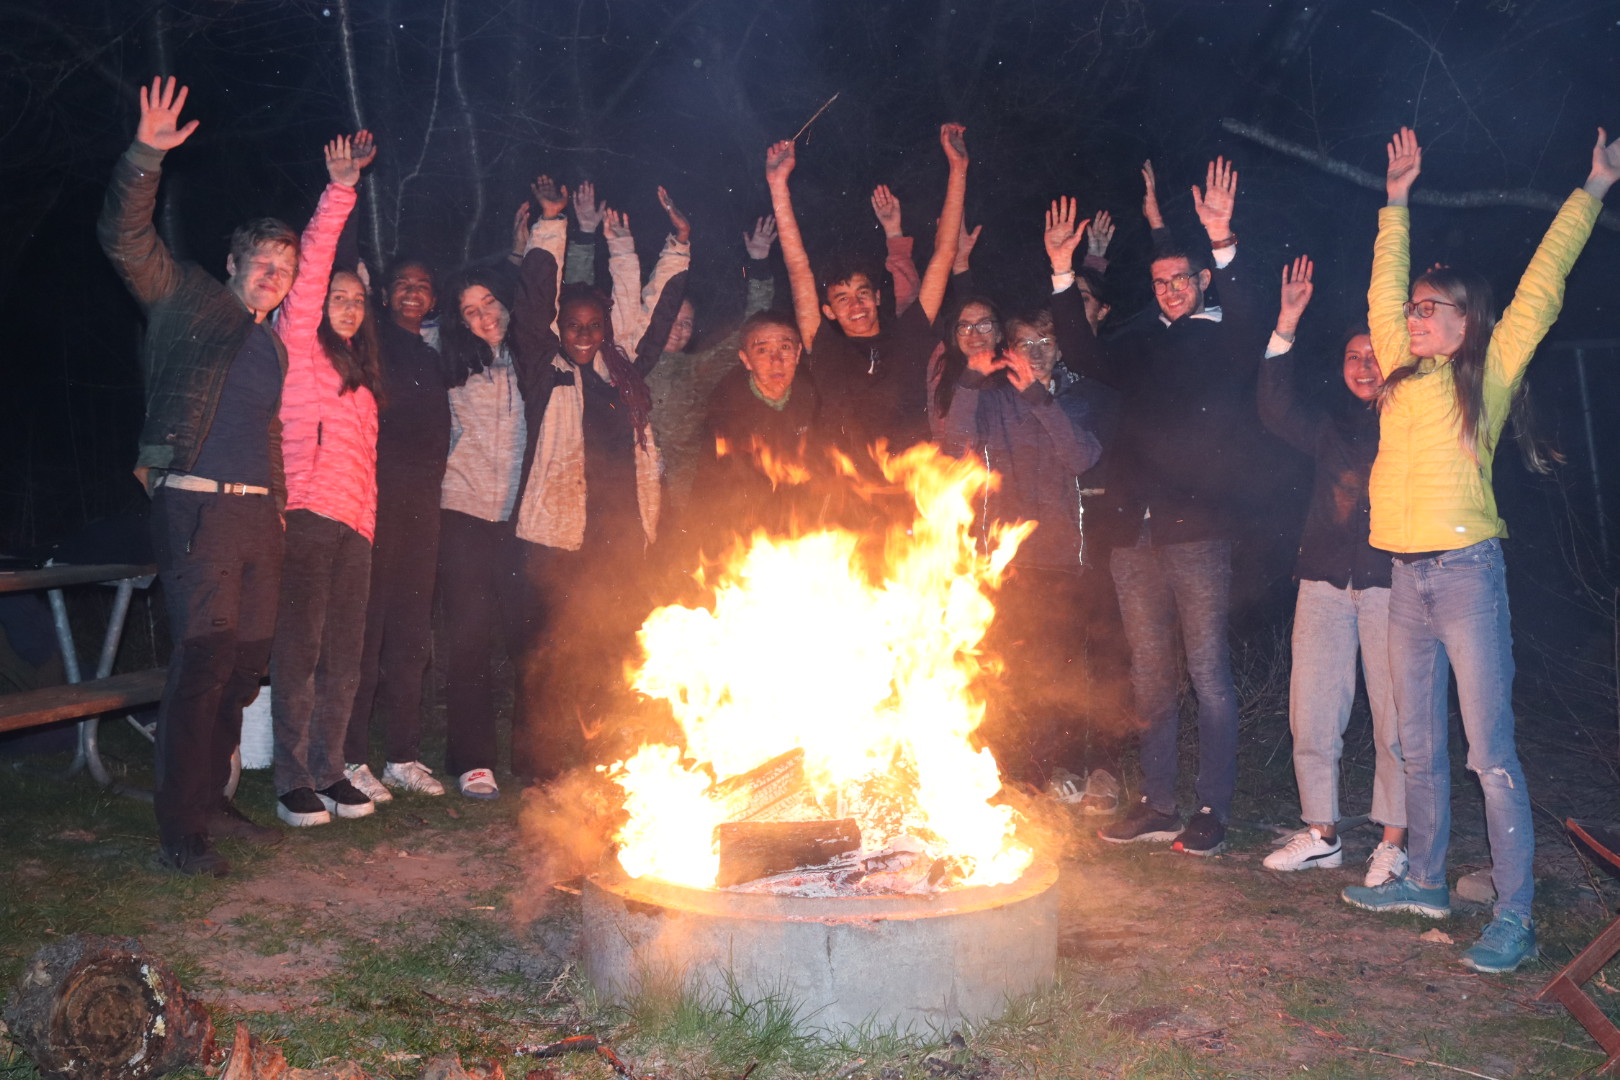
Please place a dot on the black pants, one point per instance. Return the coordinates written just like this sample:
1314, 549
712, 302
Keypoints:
219, 558
485, 600
315, 666
1058, 706
399, 617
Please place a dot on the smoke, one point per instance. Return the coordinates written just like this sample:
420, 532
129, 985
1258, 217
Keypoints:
566, 832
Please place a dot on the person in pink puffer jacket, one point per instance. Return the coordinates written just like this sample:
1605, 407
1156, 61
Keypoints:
329, 444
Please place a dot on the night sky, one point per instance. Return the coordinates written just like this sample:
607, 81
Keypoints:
472, 98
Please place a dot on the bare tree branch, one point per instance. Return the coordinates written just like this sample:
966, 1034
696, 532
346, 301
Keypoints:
1535, 200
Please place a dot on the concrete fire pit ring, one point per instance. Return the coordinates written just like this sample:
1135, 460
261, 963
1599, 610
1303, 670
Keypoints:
917, 963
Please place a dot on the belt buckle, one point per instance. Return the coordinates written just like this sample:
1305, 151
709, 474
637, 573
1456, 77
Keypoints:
233, 489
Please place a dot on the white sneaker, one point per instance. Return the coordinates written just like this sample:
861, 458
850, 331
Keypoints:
478, 784
1387, 863
411, 776
1102, 793
360, 776
1306, 850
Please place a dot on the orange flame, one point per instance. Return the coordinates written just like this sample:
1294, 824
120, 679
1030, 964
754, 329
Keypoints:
870, 670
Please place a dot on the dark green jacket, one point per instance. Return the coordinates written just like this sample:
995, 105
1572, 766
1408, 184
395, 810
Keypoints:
195, 326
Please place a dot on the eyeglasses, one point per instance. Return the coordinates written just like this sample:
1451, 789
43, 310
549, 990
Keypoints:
1027, 344
983, 326
1424, 309
1174, 283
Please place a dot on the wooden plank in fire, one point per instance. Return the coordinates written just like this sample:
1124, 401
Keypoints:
756, 849
768, 791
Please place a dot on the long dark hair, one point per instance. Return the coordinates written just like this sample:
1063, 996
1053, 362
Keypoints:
955, 360
464, 352
1477, 304
358, 360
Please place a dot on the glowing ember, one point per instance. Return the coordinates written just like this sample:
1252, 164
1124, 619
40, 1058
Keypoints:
870, 670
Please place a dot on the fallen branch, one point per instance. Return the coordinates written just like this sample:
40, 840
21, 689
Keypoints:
1404, 1060
1527, 197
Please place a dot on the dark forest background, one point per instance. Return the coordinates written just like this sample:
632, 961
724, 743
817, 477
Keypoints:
471, 98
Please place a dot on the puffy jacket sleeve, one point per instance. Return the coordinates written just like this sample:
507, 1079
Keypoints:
300, 315
1386, 295
1540, 295
624, 270
125, 228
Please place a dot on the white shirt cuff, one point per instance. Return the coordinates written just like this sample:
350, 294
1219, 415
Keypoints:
1278, 345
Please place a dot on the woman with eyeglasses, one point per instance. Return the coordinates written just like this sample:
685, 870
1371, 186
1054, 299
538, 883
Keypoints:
1452, 374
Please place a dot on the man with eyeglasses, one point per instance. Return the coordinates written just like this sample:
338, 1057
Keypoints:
872, 379
1185, 373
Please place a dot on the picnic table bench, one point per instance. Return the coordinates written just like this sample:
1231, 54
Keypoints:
81, 697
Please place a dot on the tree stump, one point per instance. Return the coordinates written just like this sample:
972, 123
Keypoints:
90, 1007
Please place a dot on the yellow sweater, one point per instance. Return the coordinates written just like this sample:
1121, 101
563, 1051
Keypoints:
1427, 492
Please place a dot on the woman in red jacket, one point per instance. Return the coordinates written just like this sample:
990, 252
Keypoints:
329, 444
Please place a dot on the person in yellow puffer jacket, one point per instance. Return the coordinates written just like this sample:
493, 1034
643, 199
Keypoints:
1453, 373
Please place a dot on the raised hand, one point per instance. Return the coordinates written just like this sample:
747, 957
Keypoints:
1101, 234
160, 115
341, 165
1062, 235
552, 199
965, 243
520, 231
779, 161
587, 211
1019, 371
1214, 203
760, 240
953, 140
1296, 293
365, 148
1405, 163
886, 208
615, 224
1605, 165
1150, 197
677, 220
986, 362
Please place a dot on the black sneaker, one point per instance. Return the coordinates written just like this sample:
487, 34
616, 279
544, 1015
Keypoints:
301, 807
194, 856
1142, 823
230, 822
345, 800
1204, 834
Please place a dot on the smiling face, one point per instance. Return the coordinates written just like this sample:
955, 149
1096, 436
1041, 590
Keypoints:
771, 352
1036, 346
410, 296
346, 304
1180, 292
584, 326
1440, 334
484, 315
1361, 372
261, 280
680, 332
976, 330
853, 305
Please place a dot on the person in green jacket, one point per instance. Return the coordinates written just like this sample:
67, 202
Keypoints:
1452, 374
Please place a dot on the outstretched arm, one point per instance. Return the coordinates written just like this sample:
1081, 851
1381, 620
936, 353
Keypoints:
1214, 205
779, 161
579, 264
898, 262
1392, 256
299, 316
624, 271
761, 292
952, 139
1150, 197
1280, 408
674, 258
125, 228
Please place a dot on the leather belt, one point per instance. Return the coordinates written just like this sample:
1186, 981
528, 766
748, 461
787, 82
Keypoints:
188, 482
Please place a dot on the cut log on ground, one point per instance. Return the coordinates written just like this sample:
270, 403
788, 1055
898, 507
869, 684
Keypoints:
755, 849
90, 1007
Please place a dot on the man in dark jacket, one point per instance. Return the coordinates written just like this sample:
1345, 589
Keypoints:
1185, 375
210, 457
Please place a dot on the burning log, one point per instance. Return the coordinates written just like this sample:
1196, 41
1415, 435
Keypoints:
769, 792
756, 849
90, 1007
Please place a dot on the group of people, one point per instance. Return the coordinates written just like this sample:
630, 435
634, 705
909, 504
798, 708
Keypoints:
322, 465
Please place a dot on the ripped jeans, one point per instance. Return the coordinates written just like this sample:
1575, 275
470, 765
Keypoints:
1451, 611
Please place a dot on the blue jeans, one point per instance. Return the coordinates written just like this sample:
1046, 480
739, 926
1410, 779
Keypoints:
1330, 626
1159, 588
1453, 610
